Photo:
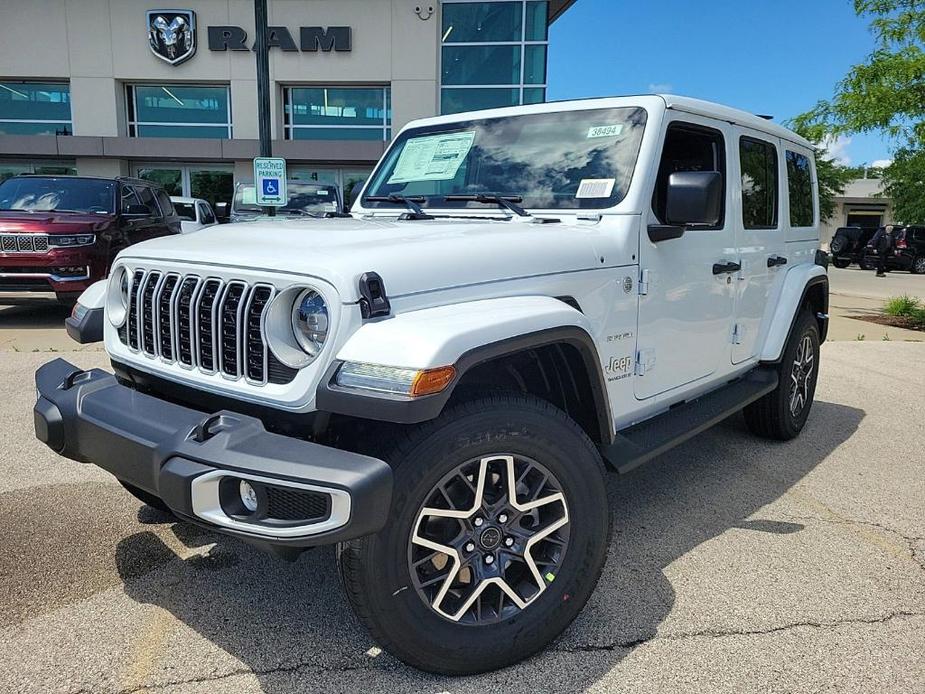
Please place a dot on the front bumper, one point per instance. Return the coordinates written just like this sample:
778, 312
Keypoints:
188, 459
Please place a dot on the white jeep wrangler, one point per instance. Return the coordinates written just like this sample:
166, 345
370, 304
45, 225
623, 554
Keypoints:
520, 299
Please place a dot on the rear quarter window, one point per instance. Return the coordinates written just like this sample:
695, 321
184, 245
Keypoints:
800, 188
165, 202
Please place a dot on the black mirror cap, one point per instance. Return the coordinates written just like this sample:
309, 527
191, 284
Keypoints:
695, 197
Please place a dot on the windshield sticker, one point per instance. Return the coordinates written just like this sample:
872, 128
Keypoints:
605, 131
249, 195
595, 187
433, 158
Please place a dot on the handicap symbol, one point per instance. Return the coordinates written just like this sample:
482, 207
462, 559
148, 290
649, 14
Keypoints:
270, 186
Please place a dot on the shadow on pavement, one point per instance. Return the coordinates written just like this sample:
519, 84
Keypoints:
290, 624
32, 312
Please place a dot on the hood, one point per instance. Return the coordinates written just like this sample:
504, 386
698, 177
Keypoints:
410, 256
21, 221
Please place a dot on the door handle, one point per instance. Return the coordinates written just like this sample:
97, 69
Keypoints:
721, 268
776, 260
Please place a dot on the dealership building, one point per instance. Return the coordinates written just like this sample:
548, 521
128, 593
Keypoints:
133, 88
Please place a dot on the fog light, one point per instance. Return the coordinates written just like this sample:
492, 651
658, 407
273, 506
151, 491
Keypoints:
248, 495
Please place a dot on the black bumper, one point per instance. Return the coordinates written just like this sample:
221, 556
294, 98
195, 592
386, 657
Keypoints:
86, 329
162, 448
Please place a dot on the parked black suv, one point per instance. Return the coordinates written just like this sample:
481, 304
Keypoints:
909, 250
61, 233
849, 245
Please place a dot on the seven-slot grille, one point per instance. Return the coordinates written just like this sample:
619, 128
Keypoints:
23, 243
203, 323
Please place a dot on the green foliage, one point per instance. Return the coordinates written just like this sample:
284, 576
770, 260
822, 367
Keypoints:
901, 305
886, 94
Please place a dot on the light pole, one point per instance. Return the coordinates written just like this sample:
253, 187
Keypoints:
263, 85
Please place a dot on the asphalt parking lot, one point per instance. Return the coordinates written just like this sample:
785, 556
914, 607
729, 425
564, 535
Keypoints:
736, 566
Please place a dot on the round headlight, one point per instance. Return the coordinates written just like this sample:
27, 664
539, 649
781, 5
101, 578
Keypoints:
117, 297
310, 321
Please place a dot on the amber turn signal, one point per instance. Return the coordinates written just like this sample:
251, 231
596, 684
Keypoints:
432, 380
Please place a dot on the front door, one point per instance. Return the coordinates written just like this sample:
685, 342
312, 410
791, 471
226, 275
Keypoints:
759, 236
686, 310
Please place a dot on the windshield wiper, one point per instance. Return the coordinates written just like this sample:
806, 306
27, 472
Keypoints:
411, 202
508, 202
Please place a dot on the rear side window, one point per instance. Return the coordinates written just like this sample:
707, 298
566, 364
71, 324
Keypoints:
800, 187
147, 199
129, 198
759, 183
205, 214
165, 202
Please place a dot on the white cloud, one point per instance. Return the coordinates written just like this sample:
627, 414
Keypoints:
661, 88
837, 149
880, 163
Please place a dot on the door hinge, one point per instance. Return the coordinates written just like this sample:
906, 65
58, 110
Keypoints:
645, 361
737, 333
643, 285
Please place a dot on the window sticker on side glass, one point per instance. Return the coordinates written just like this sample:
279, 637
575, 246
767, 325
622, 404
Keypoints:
595, 187
605, 131
432, 158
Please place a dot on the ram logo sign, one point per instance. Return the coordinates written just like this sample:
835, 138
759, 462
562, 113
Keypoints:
172, 34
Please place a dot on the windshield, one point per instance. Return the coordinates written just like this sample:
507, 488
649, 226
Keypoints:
567, 160
185, 210
57, 194
303, 198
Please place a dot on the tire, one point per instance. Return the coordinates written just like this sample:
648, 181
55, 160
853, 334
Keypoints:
384, 575
841, 263
146, 498
918, 265
838, 245
773, 416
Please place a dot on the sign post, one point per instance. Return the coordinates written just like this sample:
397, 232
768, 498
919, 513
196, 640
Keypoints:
261, 48
270, 182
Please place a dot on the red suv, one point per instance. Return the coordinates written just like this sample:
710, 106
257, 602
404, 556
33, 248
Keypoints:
61, 233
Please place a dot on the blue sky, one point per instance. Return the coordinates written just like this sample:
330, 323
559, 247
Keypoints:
774, 57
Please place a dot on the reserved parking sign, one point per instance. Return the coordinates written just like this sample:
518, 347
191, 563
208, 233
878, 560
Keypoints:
270, 181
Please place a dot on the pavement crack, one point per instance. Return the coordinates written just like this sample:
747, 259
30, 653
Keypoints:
723, 633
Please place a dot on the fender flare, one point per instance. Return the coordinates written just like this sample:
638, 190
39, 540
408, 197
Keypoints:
541, 321
792, 299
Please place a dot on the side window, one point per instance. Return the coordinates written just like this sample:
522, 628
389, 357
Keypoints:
205, 214
164, 201
129, 198
147, 199
800, 186
689, 147
759, 183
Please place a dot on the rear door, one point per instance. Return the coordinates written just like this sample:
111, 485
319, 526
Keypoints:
685, 312
759, 236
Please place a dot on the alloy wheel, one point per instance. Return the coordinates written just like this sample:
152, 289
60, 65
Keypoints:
489, 539
801, 376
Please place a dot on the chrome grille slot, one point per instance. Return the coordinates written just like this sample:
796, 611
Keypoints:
184, 320
24, 244
255, 347
8, 243
133, 303
206, 306
203, 323
40, 243
147, 316
229, 311
165, 316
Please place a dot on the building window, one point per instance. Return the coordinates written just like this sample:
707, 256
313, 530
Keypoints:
35, 108
175, 110
759, 183
15, 167
212, 182
800, 187
494, 54
337, 113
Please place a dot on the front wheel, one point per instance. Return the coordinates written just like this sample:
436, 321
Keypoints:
498, 534
782, 413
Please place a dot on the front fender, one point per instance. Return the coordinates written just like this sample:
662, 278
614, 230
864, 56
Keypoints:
799, 280
460, 335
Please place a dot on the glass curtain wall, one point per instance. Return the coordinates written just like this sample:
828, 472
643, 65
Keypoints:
35, 108
493, 54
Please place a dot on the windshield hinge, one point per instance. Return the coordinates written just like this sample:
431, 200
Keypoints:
643, 285
374, 302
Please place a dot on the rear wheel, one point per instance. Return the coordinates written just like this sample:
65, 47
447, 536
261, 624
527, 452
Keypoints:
498, 534
782, 413
918, 265
841, 263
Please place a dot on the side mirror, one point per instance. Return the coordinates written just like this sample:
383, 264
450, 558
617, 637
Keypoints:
694, 197
137, 211
222, 210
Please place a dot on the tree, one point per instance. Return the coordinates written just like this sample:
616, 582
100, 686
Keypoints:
886, 93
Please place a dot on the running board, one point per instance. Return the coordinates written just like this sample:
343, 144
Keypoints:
641, 442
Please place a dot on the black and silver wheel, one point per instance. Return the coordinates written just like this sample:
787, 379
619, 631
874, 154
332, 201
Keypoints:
498, 534
782, 413
918, 265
